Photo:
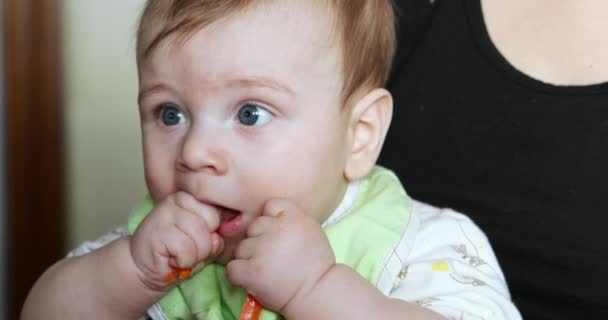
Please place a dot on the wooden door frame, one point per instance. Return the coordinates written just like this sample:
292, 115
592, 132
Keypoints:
34, 143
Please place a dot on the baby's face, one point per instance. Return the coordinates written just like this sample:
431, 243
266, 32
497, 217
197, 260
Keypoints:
245, 111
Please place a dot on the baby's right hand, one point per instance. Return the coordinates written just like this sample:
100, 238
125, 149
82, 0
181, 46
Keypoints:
179, 233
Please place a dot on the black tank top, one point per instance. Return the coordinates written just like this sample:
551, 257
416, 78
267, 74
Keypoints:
526, 160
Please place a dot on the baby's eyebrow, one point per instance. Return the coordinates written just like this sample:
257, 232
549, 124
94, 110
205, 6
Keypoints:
151, 90
240, 82
260, 82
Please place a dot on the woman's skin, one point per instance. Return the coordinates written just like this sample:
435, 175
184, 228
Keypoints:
562, 42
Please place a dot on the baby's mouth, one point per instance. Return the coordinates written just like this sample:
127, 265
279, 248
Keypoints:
227, 214
230, 222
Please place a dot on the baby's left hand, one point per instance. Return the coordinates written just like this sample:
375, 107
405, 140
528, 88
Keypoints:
285, 254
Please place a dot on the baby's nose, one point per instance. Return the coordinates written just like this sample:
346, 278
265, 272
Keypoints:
202, 151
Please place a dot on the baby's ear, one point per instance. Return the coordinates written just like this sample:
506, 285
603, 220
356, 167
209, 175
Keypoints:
369, 123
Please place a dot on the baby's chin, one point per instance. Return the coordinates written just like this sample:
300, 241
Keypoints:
224, 260
228, 254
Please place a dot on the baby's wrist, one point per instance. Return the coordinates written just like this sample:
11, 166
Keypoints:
304, 303
142, 278
124, 281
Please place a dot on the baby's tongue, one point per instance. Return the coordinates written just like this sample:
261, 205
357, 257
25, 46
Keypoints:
230, 223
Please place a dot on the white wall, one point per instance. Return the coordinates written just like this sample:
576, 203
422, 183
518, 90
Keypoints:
104, 172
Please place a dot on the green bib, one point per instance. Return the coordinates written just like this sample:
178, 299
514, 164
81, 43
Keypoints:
363, 239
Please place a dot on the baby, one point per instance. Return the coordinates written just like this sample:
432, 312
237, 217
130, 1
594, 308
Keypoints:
262, 122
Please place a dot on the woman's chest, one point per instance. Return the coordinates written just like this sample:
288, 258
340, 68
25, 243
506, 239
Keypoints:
557, 42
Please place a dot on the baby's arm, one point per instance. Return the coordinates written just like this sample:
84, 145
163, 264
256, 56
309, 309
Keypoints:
450, 270
344, 294
122, 279
102, 284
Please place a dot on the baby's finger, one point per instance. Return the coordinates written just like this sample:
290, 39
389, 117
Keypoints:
211, 215
181, 250
246, 248
196, 229
239, 273
259, 226
208, 212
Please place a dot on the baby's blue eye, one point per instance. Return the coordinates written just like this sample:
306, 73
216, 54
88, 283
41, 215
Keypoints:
252, 115
170, 115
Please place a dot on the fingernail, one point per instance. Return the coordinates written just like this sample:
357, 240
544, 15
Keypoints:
215, 244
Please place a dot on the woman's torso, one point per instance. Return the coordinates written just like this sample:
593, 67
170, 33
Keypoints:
525, 159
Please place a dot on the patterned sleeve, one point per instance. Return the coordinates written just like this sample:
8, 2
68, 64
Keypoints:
90, 246
452, 269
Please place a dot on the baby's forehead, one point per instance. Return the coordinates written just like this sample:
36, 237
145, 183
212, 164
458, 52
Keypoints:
308, 22
276, 37
358, 34
255, 48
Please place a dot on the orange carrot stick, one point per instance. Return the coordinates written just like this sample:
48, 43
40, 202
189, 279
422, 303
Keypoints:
182, 274
251, 309
185, 273
171, 276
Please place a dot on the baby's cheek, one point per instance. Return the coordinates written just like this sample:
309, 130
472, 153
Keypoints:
158, 185
159, 174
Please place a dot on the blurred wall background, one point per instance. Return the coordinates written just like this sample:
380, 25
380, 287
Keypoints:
3, 216
68, 126
104, 167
